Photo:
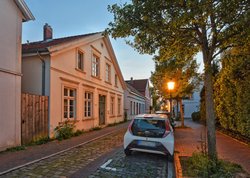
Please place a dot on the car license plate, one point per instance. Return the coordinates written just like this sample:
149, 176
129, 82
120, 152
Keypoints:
145, 143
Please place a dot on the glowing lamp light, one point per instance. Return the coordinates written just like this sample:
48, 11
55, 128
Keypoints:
171, 85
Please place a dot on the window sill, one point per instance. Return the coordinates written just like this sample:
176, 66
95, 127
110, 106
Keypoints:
79, 70
108, 82
112, 116
88, 119
69, 121
119, 115
98, 78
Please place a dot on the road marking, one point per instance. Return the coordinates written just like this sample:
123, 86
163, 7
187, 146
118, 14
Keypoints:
104, 166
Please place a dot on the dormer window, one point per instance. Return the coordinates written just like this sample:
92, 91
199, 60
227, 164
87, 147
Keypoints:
80, 60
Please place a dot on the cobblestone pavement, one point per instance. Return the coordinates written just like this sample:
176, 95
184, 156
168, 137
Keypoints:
134, 166
67, 163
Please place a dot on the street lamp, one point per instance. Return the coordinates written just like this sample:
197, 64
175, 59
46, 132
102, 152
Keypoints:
171, 87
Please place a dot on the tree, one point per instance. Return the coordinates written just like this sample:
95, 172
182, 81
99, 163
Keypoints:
184, 26
232, 95
183, 72
155, 98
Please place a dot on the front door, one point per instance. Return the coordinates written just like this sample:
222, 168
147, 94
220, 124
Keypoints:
101, 109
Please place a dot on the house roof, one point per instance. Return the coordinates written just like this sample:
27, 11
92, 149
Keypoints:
25, 10
132, 89
54, 46
139, 85
43, 45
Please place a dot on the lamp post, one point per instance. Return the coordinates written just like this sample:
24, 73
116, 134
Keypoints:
171, 87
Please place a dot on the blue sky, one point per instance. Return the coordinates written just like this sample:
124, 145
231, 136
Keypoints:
74, 17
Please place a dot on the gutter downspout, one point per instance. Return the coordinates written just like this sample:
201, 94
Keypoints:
43, 72
43, 88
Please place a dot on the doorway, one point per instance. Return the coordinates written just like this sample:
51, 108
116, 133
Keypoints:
102, 113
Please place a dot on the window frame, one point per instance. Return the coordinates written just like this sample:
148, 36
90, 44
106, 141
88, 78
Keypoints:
108, 73
112, 105
81, 68
69, 98
88, 105
95, 66
119, 103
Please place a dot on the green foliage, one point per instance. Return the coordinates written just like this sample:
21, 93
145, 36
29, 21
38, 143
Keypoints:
17, 148
65, 130
78, 132
199, 165
96, 128
183, 28
196, 116
232, 96
40, 141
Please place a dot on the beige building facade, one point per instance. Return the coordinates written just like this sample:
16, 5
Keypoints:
12, 14
81, 76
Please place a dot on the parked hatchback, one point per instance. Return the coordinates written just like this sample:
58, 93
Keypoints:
150, 133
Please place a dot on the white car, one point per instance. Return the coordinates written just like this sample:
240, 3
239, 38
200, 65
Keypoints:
150, 133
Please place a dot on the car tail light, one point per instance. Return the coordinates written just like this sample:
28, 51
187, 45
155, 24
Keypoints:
168, 130
130, 126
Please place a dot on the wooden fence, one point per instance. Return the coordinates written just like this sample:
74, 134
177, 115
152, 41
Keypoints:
34, 117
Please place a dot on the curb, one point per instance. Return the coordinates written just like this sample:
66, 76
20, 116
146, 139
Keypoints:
54, 154
177, 163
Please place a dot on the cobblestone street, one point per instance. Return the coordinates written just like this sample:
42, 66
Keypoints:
67, 163
74, 162
134, 166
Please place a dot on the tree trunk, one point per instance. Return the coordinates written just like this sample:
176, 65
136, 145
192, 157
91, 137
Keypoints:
181, 113
210, 114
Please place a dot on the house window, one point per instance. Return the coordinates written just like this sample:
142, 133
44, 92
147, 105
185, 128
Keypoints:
108, 73
112, 105
88, 104
119, 106
80, 60
131, 108
116, 80
95, 66
69, 104
134, 109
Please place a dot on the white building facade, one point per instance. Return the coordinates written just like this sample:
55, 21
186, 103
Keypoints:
12, 14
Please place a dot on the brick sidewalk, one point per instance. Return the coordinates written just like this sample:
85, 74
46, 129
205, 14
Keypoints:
9, 160
187, 141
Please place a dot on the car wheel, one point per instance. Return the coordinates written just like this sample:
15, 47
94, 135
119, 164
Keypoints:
127, 152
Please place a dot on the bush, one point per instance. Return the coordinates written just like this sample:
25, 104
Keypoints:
78, 132
199, 165
65, 130
196, 116
40, 141
17, 148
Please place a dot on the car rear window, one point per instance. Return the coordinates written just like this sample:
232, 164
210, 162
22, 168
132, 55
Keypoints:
148, 127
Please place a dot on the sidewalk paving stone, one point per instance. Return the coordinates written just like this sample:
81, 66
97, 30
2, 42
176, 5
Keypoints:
187, 141
9, 160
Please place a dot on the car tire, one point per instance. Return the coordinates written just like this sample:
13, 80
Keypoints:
127, 152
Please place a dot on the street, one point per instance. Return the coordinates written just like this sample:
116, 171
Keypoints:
100, 158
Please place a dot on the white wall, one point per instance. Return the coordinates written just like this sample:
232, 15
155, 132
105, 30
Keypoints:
10, 74
63, 73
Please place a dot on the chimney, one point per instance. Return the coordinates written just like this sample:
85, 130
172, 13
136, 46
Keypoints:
131, 80
47, 32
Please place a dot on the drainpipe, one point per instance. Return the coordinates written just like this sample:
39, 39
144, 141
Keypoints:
43, 88
43, 72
